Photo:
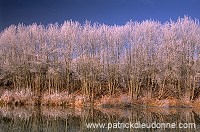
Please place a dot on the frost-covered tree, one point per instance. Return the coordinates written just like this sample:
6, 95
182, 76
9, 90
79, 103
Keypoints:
141, 58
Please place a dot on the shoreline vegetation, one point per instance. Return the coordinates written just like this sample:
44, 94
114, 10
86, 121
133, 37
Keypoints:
139, 64
122, 100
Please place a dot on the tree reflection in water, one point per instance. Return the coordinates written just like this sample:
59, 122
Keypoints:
58, 119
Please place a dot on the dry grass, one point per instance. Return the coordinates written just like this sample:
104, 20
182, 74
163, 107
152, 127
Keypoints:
196, 104
17, 97
123, 100
78, 100
53, 99
165, 103
64, 99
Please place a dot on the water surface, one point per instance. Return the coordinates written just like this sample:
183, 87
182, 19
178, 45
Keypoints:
58, 119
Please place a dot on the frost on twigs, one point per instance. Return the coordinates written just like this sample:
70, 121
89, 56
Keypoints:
142, 59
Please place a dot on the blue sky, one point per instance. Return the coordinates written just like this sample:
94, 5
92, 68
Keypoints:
102, 11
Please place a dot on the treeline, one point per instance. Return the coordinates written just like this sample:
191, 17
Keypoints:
142, 58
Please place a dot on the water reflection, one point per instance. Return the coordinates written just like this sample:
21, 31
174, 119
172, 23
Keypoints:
58, 119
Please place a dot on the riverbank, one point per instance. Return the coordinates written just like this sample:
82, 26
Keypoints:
21, 98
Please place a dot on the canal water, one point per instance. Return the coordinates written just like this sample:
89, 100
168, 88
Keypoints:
59, 119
